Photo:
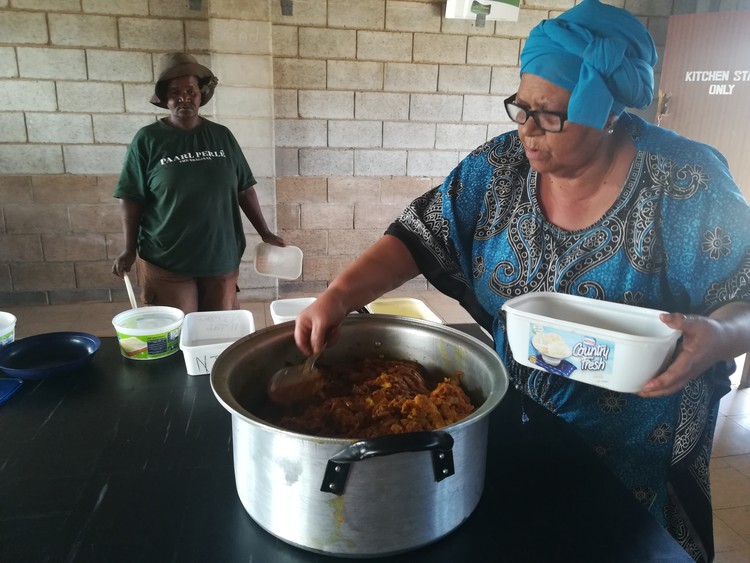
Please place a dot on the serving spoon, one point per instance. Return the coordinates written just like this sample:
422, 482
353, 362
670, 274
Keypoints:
129, 288
294, 384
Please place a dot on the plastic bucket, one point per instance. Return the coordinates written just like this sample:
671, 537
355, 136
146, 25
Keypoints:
7, 328
148, 333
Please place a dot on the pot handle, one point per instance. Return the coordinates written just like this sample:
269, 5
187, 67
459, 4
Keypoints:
439, 443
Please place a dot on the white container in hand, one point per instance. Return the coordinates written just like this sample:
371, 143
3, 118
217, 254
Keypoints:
611, 345
283, 262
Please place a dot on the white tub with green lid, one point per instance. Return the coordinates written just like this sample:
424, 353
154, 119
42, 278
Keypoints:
148, 333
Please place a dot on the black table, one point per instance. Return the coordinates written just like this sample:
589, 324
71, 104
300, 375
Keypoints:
132, 461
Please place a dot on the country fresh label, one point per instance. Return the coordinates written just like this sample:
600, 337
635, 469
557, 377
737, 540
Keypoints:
570, 354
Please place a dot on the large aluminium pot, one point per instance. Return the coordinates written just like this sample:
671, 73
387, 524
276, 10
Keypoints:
359, 498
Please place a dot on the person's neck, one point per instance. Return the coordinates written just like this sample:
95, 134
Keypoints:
185, 124
578, 201
602, 172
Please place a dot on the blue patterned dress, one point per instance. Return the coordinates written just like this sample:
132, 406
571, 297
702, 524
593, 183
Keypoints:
677, 239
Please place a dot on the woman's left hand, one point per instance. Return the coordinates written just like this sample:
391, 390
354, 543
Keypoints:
696, 352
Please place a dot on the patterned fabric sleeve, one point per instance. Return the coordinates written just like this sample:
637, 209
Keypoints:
706, 222
715, 270
439, 226
707, 247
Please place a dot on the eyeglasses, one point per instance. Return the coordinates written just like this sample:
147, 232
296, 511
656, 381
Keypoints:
549, 121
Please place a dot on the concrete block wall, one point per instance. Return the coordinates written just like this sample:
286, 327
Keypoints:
346, 109
239, 42
75, 80
376, 104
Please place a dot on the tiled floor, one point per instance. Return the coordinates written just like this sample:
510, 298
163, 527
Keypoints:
730, 466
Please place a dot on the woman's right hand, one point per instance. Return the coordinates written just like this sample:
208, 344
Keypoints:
123, 263
382, 267
318, 324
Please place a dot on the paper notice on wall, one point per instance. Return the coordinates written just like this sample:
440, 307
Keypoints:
491, 10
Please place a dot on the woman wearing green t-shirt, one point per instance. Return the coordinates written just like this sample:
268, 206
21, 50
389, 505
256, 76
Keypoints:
182, 186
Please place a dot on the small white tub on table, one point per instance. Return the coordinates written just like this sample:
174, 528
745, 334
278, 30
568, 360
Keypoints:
206, 334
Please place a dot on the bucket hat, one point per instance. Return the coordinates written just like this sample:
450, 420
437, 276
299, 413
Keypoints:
174, 65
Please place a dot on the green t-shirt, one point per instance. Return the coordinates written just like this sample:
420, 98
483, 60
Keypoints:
188, 183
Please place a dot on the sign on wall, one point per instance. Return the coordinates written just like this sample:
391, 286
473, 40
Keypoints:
719, 82
483, 10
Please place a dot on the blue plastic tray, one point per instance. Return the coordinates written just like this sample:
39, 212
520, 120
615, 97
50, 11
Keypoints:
8, 386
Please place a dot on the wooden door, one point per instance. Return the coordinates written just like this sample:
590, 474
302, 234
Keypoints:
704, 93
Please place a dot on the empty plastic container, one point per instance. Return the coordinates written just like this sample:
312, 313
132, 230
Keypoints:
284, 262
206, 334
611, 345
283, 310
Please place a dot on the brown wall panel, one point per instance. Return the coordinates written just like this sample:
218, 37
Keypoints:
706, 78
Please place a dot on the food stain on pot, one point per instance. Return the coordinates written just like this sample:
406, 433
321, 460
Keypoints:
339, 539
337, 504
459, 355
292, 470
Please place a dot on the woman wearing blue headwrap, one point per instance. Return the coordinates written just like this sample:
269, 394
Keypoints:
587, 199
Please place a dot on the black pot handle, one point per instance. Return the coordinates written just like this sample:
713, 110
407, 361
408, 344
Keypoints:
439, 443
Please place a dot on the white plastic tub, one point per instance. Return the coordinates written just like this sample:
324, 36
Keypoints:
7, 328
611, 345
283, 262
206, 334
403, 307
148, 333
283, 310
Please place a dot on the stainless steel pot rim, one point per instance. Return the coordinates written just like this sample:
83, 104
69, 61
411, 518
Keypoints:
220, 387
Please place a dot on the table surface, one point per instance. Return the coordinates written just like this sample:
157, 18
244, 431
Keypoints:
132, 461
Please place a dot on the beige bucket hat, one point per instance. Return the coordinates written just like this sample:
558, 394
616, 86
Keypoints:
174, 65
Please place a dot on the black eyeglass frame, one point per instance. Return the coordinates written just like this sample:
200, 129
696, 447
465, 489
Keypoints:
534, 113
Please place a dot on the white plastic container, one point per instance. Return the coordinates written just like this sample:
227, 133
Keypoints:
283, 310
7, 328
611, 345
403, 307
284, 262
206, 334
148, 333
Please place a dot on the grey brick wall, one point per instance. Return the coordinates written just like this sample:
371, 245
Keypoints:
346, 110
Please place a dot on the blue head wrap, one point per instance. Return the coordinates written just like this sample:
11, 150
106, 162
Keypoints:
602, 54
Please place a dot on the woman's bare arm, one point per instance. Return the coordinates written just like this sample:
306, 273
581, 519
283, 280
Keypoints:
384, 266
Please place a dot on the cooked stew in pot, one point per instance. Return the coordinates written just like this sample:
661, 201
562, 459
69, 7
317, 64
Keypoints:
374, 397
